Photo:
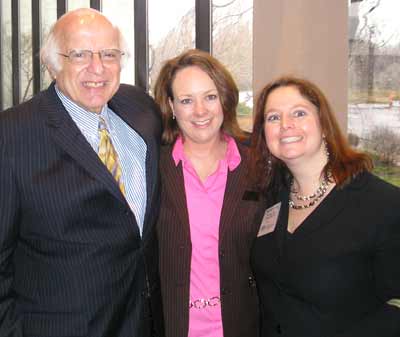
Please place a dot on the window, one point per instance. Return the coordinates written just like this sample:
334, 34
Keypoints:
171, 31
232, 45
115, 10
169, 28
48, 16
25, 61
374, 83
74, 4
5, 55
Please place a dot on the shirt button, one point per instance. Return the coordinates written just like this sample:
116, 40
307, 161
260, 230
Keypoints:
225, 291
278, 329
252, 282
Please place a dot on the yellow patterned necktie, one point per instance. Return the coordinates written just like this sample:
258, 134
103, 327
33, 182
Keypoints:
108, 155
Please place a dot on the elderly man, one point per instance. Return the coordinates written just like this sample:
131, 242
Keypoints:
79, 195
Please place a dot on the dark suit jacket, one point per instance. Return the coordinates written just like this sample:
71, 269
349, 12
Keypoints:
333, 276
236, 234
72, 262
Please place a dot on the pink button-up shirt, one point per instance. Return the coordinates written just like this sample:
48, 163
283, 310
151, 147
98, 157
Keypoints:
204, 203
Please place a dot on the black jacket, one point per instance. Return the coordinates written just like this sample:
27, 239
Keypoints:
333, 276
72, 262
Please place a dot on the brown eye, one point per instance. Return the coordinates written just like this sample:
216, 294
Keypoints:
185, 101
211, 97
272, 117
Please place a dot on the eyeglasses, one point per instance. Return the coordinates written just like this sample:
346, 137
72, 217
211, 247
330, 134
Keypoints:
84, 57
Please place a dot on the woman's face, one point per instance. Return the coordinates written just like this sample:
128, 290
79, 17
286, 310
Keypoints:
292, 128
196, 106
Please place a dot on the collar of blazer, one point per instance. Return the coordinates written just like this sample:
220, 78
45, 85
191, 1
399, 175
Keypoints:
173, 183
67, 135
124, 104
324, 213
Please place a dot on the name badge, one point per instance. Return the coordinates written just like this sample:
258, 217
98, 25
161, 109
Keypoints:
269, 220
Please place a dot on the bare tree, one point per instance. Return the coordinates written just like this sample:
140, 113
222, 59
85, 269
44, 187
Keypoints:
26, 67
368, 49
385, 143
232, 36
232, 41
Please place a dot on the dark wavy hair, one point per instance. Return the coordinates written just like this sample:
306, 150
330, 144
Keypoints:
226, 87
343, 164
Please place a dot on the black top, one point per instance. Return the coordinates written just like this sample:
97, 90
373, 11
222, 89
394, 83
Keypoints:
333, 276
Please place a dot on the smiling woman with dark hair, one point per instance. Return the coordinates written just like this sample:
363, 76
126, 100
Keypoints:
326, 256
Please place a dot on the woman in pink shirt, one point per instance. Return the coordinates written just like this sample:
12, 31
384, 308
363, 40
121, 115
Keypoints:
206, 223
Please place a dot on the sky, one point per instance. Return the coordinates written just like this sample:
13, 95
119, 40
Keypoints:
386, 16
165, 15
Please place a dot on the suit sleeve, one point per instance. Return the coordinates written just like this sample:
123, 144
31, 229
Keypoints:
385, 321
10, 326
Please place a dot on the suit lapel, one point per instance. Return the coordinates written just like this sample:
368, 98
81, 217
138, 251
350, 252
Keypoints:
281, 224
326, 211
67, 135
234, 192
175, 185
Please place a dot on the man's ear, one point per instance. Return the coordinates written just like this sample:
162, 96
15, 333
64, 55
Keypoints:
52, 72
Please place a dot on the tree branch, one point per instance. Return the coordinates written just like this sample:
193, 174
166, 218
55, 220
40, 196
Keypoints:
238, 16
225, 5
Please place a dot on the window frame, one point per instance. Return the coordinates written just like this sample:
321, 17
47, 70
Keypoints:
203, 31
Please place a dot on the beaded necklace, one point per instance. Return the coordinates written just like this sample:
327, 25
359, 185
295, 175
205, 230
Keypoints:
313, 198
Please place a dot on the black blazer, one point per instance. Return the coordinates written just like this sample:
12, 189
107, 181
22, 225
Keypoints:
72, 262
333, 276
236, 234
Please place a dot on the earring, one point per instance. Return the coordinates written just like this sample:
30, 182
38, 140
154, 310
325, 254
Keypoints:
173, 116
269, 164
326, 148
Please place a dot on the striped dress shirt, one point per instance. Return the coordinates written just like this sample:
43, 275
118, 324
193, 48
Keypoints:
130, 147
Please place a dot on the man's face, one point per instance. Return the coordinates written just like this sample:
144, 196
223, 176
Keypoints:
90, 85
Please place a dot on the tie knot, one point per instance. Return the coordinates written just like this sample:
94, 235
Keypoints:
102, 124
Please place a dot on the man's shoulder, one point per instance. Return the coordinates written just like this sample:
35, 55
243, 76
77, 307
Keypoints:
24, 113
33, 101
137, 108
133, 97
132, 92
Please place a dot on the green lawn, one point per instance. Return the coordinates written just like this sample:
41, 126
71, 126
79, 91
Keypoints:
389, 173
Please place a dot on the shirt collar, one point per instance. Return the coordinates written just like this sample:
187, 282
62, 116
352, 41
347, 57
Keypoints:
232, 155
80, 115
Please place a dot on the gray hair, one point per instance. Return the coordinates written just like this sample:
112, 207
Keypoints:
51, 47
49, 51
